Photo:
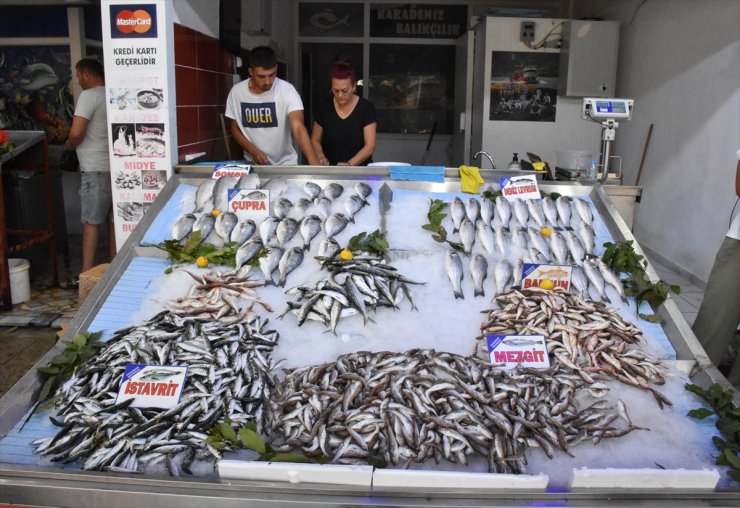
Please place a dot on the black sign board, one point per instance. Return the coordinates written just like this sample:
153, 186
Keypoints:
429, 21
331, 20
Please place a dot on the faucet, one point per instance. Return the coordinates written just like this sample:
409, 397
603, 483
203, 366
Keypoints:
490, 159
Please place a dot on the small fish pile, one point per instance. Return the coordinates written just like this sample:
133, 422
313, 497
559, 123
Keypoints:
584, 335
368, 283
422, 404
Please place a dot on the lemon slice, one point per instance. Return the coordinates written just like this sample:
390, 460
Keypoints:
215, 212
345, 254
547, 284
545, 231
202, 261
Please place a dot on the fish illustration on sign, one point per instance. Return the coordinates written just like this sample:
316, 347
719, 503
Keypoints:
555, 273
327, 20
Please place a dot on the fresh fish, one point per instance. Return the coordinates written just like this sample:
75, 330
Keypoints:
593, 274
575, 246
310, 227
281, 207
558, 247
249, 181
225, 224
587, 236
312, 189
221, 192
502, 273
612, 279
472, 209
268, 228
355, 296
454, 269
487, 208
323, 206
503, 211
292, 258
204, 194
534, 206
578, 280
204, 224
537, 241
269, 263
551, 211
521, 212
247, 251
352, 205
502, 239
563, 205
467, 235
286, 230
584, 210
332, 191
335, 224
457, 213
277, 186
243, 231
516, 277
485, 236
478, 272
302, 204
519, 238
327, 248
536, 257
183, 226
363, 189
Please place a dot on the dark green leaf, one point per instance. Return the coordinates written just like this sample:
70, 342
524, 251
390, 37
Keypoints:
724, 445
47, 388
653, 318
456, 246
700, 413
227, 431
728, 427
49, 370
250, 426
251, 440
701, 392
735, 475
732, 458
721, 460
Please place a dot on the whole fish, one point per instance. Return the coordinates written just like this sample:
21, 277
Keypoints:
364, 190
487, 208
247, 251
269, 263
268, 228
454, 269
323, 205
302, 204
286, 230
332, 191
534, 207
579, 281
310, 227
575, 246
457, 213
563, 205
204, 194
519, 238
558, 247
183, 226
472, 209
503, 211
537, 241
612, 279
221, 192
312, 189
535, 256
249, 181
291, 259
352, 205
584, 210
277, 186
243, 231
467, 235
502, 239
516, 276
478, 272
485, 236
551, 211
502, 273
587, 236
335, 224
225, 224
593, 274
204, 224
521, 212
327, 248
281, 207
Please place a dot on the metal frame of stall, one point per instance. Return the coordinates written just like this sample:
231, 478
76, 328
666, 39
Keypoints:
53, 487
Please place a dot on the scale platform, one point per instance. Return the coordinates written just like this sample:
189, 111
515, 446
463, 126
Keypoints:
569, 174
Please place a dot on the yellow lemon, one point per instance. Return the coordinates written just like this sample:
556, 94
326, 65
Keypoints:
215, 212
545, 231
202, 261
345, 254
547, 284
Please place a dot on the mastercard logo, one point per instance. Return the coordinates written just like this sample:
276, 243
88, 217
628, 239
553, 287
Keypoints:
138, 21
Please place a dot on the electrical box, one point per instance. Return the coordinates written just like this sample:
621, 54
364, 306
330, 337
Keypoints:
588, 58
527, 31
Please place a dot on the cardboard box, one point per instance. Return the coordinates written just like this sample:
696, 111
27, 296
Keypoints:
89, 278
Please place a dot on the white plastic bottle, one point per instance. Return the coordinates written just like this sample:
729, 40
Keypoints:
592, 173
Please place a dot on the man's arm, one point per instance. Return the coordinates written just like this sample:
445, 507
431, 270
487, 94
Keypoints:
77, 132
316, 134
737, 179
301, 136
258, 156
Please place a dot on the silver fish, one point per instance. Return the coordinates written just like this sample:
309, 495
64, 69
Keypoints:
519, 238
277, 186
243, 231
551, 211
183, 226
487, 208
352, 205
485, 236
204, 194
323, 206
472, 209
332, 191
221, 192
478, 272
302, 204
562, 203
292, 258
595, 278
247, 251
335, 224
363, 189
225, 224
575, 246
282, 207
587, 236
584, 210
537, 241
268, 228
269, 263
249, 181
454, 269
310, 227
327, 248
204, 224
457, 213
535, 256
516, 276
558, 247
502, 239
521, 212
578, 280
503, 211
467, 235
502, 273
286, 230
612, 279
534, 206
312, 189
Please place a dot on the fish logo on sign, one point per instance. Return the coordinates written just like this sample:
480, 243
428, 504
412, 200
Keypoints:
133, 21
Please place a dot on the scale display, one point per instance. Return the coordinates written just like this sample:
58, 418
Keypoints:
604, 109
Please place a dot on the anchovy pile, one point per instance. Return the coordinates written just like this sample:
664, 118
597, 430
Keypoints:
586, 336
422, 404
229, 375
368, 283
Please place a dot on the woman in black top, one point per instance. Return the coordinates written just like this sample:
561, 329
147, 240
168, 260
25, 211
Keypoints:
344, 125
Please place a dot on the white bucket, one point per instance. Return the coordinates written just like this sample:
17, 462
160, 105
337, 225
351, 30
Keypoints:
20, 286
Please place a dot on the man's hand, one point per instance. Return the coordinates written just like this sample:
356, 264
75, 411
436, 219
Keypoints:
259, 157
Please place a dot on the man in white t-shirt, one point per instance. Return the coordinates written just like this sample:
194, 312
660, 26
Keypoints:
264, 110
716, 324
88, 136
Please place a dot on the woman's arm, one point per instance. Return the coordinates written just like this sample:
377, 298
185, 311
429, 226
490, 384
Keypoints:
316, 132
368, 133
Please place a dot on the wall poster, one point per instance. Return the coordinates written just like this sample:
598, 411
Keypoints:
138, 118
524, 86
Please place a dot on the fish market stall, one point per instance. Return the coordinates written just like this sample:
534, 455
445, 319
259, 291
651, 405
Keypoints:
377, 364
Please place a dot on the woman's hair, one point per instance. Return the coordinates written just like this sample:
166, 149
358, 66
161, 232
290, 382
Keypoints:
343, 71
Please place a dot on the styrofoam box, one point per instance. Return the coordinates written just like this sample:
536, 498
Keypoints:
653, 479
296, 473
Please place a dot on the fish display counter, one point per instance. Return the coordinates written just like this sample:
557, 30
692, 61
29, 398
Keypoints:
334, 347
